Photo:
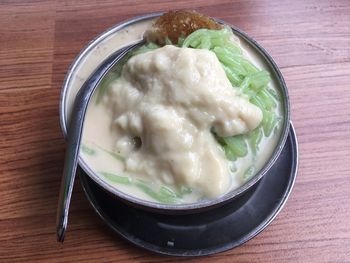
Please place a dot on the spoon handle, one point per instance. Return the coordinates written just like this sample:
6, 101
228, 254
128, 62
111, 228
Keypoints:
69, 170
74, 135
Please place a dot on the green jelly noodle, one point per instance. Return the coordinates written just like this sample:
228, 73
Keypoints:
163, 194
243, 75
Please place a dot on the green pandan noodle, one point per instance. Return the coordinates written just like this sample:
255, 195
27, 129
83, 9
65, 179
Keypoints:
163, 194
88, 150
244, 76
116, 178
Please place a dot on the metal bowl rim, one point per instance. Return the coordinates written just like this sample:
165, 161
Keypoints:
193, 207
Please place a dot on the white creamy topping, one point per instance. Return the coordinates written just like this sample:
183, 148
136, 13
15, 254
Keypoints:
171, 98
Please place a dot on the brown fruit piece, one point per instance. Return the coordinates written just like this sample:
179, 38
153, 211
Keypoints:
175, 24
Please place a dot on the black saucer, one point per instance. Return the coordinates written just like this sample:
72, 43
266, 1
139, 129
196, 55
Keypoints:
209, 232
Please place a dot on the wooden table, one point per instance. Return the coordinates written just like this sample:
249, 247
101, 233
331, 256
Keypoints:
310, 41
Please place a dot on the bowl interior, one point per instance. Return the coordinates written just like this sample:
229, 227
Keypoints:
102, 46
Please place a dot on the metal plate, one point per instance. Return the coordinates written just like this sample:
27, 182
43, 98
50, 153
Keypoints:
203, 233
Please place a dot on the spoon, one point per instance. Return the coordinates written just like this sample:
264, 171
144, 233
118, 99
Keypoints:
163, 28
74, 136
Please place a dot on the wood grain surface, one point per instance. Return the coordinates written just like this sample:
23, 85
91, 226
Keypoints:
309, 40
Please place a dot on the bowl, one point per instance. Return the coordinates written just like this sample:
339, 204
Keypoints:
117, 37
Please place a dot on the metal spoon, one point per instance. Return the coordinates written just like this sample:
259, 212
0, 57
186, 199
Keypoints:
74, 136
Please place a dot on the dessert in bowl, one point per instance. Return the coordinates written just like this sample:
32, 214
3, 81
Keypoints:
184, 123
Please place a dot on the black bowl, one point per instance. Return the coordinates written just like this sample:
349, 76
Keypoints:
202, 205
